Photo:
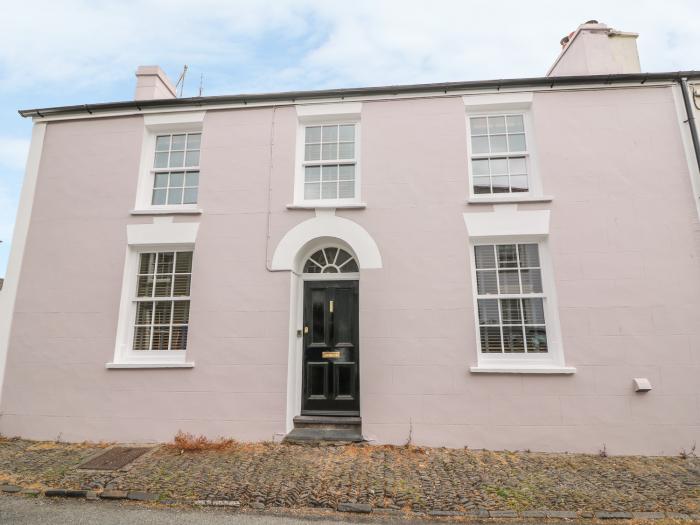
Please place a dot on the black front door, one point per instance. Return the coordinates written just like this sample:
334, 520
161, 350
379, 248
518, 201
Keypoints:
331, 381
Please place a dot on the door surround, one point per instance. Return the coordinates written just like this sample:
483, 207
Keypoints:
296, 316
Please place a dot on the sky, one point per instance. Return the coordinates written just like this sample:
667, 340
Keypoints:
75, 52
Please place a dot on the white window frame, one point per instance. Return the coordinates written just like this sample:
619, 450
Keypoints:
165, 124
505, 104
161, 236
551, 362
327, 115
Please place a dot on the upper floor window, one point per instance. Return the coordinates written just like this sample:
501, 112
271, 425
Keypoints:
329, 162
499, 154
176, 169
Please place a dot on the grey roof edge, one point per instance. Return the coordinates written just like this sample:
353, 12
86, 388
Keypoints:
359, 92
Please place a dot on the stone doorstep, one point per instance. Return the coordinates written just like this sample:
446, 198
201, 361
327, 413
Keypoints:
361, 508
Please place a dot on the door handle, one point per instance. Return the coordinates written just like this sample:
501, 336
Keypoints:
330, 307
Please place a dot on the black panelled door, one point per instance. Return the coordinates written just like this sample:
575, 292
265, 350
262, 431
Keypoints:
331, 382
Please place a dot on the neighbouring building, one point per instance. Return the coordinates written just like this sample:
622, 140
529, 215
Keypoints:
501, 264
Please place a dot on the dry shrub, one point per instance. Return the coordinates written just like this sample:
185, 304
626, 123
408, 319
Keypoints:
188, 442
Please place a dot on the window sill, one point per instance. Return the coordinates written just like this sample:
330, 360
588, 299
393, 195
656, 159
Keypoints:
117, 366
509, 200
505, 369
164, 211
345, 206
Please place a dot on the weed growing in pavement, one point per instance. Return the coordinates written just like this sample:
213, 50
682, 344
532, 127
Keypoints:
186, 442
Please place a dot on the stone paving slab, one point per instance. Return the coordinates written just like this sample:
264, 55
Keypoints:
433, 482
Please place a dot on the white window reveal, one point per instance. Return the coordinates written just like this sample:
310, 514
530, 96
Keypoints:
162, 301
510, 299
329, 162
176, 169
499, 155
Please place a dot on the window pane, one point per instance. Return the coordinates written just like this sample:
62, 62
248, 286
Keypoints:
142, 338
508, 281
189, 196
165, 262
313, 152
330, 151
350, 266
331, 254
500, 184
161, 336
161, 160
498, 144
516, 142
480, 167
147, 263
346, 172
192, 178
329, 173
533, 311
183, 262
342, 257
145, 286
312, 190
181, 312
497, 125
529, 255
178, 142
346, 189
482, 185
518, 183
346, 150
177, 159
486, 282
347, 132
163, 143
517, 165
313, 134
144, 312
163, 285
510, 310
181, 286
513, 340
499, 166
192, 158
175, 196
160, 180
329, 190
536, 338
515, 123
312, 173
480, 144
330, 133
485, 256
478, 125
507, 256
178, 339
177, 179
488, 311
194, 140
161, 312
490, 339
532, 281
158, 197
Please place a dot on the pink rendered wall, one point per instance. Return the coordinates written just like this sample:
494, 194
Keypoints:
624, 251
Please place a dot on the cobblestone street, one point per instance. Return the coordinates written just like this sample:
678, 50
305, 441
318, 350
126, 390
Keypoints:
389, 479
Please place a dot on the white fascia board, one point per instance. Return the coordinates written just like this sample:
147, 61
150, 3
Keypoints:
162, 233
507, 221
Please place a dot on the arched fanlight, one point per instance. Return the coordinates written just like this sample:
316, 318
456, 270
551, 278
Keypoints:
331, 260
